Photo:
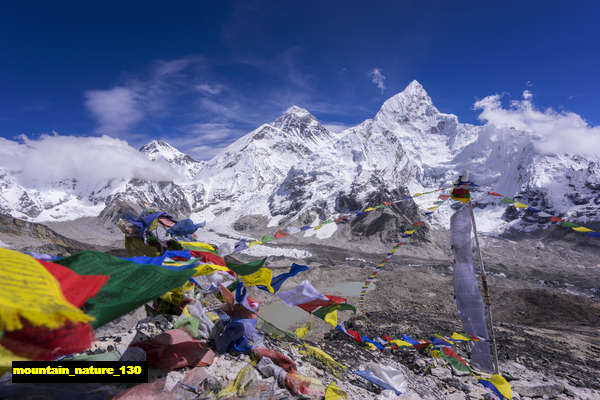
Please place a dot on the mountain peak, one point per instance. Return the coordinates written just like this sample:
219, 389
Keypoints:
161, 149
297, 111
410, 104
299, 122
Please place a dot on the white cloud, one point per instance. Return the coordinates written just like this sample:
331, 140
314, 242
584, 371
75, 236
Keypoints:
116, 110
377, 78
93, 160
209, 89
556, 132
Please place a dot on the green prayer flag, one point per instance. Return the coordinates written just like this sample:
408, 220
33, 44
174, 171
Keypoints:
379, 206
323, 311
130, 285
508, 200
568, 225
455, 362
267, 238
246, 269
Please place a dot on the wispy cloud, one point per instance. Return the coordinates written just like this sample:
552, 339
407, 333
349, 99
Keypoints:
116, 110
556, 132
120, 108
377, 78
210, 89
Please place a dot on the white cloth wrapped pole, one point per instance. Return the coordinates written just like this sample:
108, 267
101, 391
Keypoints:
468, 297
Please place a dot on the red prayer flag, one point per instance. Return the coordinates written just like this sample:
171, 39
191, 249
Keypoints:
418, 223
556, 219
355, 335
313, 305
387, 203
76, 288
45, 344
279, 234
495, 194
443, 196
208, 258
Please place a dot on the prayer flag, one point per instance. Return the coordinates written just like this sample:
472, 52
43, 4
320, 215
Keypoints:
507, 200
369, 209
267, 238
593, 234
130, 285
196, 246
333, 392
280, 234
582, 229
248, 268
305, 228
498, 385
242, 298
517, 204
313, 305
568, 225
304, 329
29, 291
444, 196
495, 194
556, 219
261, 277
277, 281
301, 294
459, 337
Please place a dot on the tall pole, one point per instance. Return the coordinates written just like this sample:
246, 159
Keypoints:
485, 290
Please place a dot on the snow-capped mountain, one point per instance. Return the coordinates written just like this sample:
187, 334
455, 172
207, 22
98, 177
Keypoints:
160, 150
295, 168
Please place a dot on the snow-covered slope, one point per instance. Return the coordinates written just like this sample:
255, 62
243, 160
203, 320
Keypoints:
295, 168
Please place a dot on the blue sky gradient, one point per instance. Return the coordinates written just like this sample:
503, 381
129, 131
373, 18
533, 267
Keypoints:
201, 75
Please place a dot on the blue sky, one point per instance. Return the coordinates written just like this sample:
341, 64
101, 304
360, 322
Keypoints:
201, 75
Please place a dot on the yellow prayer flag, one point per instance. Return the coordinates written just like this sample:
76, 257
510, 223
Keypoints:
393, 250
369, 209
410, 231
304, 329
29, 291
400, 343
197, 244
332, 318
254, 243
500, 384
582, 229
516, 204
237, 387
333, 392
418, 194
370, 346
316, 228
458, 336
323, 357
261, 277
207, 269
436, 207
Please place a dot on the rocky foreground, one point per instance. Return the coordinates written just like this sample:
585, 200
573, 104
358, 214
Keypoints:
546, 302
